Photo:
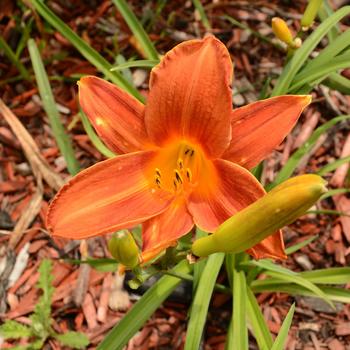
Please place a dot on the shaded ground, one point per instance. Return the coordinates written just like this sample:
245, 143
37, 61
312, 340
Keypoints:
81, 300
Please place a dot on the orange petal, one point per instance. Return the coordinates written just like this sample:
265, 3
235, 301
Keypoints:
234, 189
117, 116
106, 197
163, 230
261, 126
190, 96
271, 247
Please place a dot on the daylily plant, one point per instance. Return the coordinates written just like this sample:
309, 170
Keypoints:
184, 156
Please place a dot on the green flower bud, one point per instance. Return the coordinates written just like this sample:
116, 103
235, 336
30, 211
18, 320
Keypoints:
278, 208
310, 13
124, 249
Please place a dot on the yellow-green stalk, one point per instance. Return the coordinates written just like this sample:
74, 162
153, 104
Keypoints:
310, 13
278, 208
124, 249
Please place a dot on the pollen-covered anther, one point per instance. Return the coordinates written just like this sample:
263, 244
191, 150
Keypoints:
180, 163
189, 174
178, 177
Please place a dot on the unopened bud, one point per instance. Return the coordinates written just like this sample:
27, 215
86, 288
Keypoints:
310, 13
281, 30
123, 248
278, 208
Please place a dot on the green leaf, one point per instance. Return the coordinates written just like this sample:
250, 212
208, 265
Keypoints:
83, 47
335, 294
302, 54
302, 244
45, 279
283, 333
328, 212
297, 156
14, 59
199, 266
336, 81
297, 279
335, 192
137, 63
74, 340
320, 73
332, 166
199, 7
325, 11
200, 303
240, 331
62, 139
96, 141
327, 54
332, 275
137, 29
14, 330
256, 318
142, 310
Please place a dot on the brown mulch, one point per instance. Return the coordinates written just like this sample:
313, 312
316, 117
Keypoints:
82, 299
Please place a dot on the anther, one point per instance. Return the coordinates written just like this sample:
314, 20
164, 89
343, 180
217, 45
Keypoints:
158, 181
175, 185
158, 172
189, 174
187, 151
180, 163
178, 176
192, 153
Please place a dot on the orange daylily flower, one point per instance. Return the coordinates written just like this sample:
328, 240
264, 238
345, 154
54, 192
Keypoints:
184, 157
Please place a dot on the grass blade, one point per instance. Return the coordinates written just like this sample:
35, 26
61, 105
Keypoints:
332, 166
83, 47
199, 7
302, 244
283, 333
305, 50
332, 275
333, 293
200, 303
199, 266
96, 141
137, 29
119, 336
297, 279
256, 318
62, 139
335, 192
240, 331
336, 81
320, 73
13, 58
297, 156
137, 63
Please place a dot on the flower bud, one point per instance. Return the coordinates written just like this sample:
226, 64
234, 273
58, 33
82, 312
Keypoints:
310, 13
278, 208
281, 30
123, 248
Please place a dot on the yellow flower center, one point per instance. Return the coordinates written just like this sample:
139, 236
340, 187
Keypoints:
180, 167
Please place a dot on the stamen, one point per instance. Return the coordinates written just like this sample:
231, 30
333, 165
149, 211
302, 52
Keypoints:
189, 174
175, 185
180, 163
158, 172
192, 153
178, 177
158, 181
187, 151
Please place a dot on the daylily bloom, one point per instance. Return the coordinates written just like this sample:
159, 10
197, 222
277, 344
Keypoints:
184, 157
